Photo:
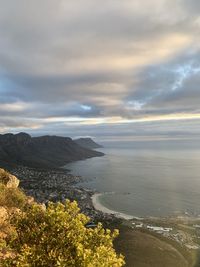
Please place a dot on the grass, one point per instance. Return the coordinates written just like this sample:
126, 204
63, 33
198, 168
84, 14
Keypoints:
142, 250
147, 249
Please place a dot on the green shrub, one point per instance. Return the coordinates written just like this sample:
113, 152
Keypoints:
57, 236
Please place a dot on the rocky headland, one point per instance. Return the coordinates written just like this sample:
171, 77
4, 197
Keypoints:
87, 143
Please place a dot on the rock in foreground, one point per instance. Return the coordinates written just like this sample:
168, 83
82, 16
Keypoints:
9, 180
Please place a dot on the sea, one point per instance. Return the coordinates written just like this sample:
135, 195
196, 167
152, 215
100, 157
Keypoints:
145, 178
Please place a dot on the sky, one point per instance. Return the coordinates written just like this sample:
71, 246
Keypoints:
111, 69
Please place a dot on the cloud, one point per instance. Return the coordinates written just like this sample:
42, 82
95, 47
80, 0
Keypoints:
124, 60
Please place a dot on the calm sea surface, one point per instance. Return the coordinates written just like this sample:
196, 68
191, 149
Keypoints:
146, 178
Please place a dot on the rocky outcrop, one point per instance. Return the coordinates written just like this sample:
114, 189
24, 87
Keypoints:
9, 180
13, 182
42, 152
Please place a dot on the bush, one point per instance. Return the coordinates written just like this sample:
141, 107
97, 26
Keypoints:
57, 236
11, 197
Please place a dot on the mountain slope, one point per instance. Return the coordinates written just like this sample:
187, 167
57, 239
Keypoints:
87, 143
44, 151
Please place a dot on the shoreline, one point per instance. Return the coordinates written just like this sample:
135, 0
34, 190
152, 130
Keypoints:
58, 185
99, 207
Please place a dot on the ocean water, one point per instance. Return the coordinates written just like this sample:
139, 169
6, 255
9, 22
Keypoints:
151, 178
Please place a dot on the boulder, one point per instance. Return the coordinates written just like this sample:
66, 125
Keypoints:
9, 180
13, 182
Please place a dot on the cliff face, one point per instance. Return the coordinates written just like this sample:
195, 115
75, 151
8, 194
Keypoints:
87, 143
43, 152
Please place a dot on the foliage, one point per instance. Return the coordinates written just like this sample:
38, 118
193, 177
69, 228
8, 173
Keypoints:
11, 197
57, 236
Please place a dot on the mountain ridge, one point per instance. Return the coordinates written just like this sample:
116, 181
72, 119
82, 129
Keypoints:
43, 151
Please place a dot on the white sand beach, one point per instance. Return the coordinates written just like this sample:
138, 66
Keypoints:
98, 206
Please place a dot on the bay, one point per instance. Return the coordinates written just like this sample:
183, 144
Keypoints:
151, 178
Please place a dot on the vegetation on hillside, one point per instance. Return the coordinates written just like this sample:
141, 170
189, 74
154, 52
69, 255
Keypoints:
11, 197
52, 236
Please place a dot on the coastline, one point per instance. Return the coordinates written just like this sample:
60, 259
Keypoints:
58, 185
99, 207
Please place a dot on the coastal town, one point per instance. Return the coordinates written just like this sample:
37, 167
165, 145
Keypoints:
179, 232
58, 185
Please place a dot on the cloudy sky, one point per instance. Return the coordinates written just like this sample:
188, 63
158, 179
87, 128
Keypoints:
113, 68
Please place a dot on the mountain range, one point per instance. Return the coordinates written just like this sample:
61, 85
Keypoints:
43, 152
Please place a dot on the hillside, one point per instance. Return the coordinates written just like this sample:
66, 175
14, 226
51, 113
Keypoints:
87, 143
43, 152
32, 234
